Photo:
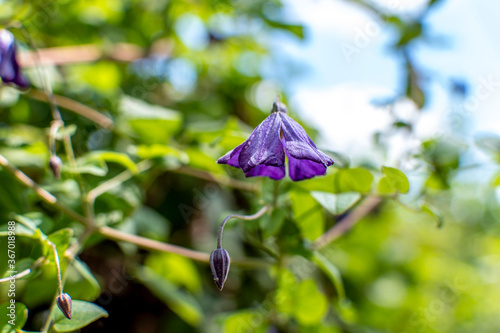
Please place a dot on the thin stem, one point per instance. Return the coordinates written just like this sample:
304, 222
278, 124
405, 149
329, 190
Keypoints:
241, 217
116, 234
151, 244
347, 222
16, 276
43, 194
73, 106
35, 265
48, 321
58, 267
56, 115
226, 181
117, 180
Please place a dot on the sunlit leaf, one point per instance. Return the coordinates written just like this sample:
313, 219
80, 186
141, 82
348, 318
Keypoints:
12, 313
84, 313
336, 204
332, 272
111, 156
307, 214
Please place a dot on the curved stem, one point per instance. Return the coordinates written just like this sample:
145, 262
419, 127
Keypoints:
241, 217
58, 268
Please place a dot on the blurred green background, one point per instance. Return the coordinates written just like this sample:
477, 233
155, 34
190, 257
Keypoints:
182, 82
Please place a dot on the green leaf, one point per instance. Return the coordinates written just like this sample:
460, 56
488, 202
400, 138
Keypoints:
301, 300
110, 156
84, 313
496, 181
12, 313
336, 204
245, 321
332, 272
175, 268
354, 180
394, 181
307, 214
310, 305
198, 159
434, 214
150, 123
61, 239
159, 150
180, 302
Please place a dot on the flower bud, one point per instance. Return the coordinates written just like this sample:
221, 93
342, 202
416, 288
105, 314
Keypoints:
219, 263
55, 164
64, 303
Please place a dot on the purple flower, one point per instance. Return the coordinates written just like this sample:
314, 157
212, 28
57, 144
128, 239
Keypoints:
9, 68
263, 153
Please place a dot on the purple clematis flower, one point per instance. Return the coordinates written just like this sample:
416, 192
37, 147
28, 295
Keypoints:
263, 153
9, 68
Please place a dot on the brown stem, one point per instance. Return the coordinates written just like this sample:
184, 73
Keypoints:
151, 244
347, 222
220, 180
73, 106
80, 53
43, 194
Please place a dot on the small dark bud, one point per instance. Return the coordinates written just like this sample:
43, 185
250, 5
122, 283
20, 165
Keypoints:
279, 107
219, 263
55, 164
64, 303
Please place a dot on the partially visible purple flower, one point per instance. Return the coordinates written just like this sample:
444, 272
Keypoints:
9, 68
263, 153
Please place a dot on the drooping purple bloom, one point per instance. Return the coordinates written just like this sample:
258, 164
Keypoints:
263, 153
9, 68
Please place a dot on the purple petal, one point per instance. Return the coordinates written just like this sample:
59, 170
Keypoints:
262, 148
304, 169
9, 68
272, 172
231, 158
299, 145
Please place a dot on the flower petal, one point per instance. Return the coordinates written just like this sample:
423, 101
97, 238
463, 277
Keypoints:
304, 169
272, 172
231, 158
299, 145
263, 147
9, 67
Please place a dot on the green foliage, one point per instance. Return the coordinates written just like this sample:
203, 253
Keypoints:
178, 84
84, 313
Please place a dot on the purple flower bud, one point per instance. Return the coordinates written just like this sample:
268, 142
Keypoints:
219, 263
64, 303
55, 164
9, 68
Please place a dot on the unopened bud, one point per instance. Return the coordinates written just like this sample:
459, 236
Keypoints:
219, 263
64, 303
55, 164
